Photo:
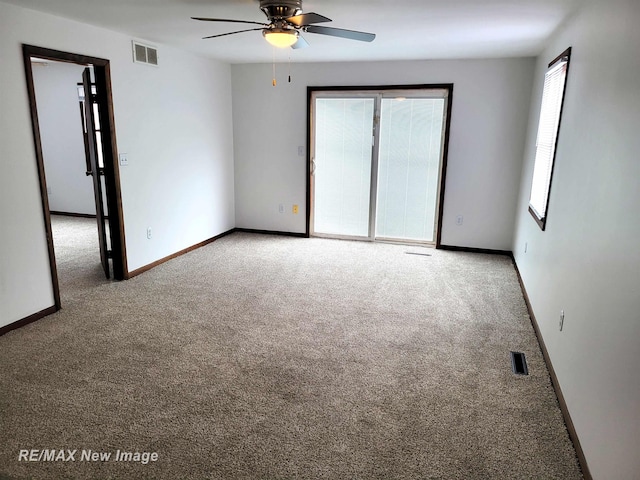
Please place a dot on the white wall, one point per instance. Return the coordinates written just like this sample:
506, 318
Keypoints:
489, 117
70, 189
173, 121
587, 262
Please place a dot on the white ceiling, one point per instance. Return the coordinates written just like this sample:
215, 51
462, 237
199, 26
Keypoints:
405, 29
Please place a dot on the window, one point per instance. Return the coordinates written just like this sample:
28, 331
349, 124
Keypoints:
547, 139
96, 124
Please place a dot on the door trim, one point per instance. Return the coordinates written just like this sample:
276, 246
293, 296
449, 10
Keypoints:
102, 74
369, 88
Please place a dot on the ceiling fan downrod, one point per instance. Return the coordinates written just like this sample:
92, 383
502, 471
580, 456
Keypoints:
279, 9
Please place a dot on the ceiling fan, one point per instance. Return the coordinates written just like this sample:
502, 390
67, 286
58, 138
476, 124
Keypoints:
286, 21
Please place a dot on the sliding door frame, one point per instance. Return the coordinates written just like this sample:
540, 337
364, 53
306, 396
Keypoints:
369, 92
373, 175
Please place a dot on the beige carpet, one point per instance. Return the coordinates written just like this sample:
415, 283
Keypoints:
274, 357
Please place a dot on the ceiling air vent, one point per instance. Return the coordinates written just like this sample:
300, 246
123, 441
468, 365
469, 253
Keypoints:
145, 54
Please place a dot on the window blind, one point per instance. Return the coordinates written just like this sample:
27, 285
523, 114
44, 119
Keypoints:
548, 126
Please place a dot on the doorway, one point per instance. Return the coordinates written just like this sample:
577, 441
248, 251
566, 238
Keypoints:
100, 146
378, 162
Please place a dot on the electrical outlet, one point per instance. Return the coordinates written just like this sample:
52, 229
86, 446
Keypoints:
295, 209
459, 220
124, 159
281, 208
149, 233
561, 319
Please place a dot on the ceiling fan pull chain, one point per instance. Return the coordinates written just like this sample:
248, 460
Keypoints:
289, 67
273, 82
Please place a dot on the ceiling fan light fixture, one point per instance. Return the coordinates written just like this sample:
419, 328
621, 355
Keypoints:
280, 37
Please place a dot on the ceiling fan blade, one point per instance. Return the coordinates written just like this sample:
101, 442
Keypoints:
307, 19
202, 19
301, 43
340, 32
231, 33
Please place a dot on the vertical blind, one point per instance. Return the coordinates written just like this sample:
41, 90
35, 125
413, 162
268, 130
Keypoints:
548, 125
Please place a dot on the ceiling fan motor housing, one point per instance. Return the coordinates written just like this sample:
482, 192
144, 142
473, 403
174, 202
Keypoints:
279, 9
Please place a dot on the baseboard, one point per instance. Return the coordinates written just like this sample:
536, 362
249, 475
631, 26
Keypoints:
30, 319
148, 267
490, 251
272, 232
71, 214
582, 460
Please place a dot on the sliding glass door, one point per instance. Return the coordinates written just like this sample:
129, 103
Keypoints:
377, 160
409, 168
343, 165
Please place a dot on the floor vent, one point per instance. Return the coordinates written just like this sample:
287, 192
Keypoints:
519, 363
416, 253
145, 54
